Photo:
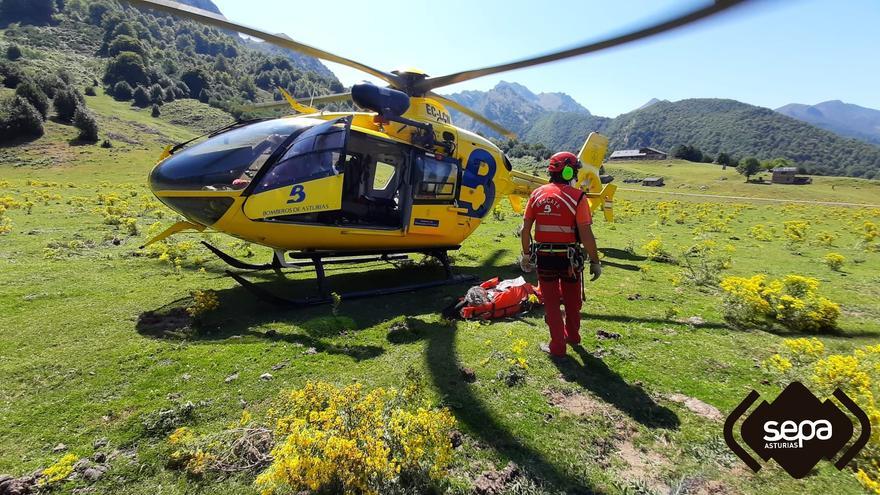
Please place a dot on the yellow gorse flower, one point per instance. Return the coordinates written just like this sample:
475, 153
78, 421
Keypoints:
347, 440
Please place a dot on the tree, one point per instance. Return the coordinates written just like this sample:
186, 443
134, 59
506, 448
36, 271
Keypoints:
11, 75
125, 43
723, 159
141, 97
18, 118
748, 167
66, 101
50, 84
27, 11
128, 67
157, 94
96, 12
35, 96
86, 123
13, 52
687, 152
122, 91
90, 91
156, 112
196, 80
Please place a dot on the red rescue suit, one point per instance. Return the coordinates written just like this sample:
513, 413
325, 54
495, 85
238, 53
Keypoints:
557, 210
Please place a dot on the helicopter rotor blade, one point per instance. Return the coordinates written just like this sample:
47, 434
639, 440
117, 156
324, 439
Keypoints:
716, 7
281, 40
473, 114
317, 100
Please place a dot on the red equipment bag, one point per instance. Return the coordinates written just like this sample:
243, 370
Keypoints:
496, 298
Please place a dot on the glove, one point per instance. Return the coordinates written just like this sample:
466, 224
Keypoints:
595, 270
525, 263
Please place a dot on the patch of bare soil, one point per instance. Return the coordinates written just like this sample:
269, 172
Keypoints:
163, 323
697, 406
703, 486
576, 403
494, 482
642, 465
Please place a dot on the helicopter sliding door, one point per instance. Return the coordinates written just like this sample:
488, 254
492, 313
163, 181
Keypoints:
306, 180
435, 184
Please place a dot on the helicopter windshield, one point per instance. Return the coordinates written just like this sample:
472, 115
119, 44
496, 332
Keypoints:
224, 162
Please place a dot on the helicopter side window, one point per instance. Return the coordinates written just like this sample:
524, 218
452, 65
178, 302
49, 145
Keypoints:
382, 176
435, 179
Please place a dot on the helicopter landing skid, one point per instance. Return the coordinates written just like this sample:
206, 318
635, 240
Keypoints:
277, 263
326, 297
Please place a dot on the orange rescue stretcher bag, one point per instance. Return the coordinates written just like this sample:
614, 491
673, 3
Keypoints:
494, 299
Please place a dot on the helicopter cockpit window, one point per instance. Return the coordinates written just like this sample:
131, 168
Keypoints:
223, 162
314, 154
435, 179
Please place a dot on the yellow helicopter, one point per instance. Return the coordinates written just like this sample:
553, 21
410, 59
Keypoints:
345, 187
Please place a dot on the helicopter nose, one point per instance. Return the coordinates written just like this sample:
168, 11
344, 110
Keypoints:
196, 202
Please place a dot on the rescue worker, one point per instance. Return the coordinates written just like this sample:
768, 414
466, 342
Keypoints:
562, 219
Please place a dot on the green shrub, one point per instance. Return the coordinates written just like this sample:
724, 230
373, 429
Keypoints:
66, 101
122, 91
157, 95
86, 123
35, 96
141, 97
11, 75
18, 118
13, 52
90, 91
50, 84
128, 67
156, 112
125, 43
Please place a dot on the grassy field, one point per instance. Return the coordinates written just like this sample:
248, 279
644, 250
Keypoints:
79, 363
683, 177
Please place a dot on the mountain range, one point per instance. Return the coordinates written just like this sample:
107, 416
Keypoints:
713, 125
842, 118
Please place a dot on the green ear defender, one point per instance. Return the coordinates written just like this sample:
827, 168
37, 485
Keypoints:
567, 173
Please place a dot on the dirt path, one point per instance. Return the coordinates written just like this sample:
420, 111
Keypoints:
752, 198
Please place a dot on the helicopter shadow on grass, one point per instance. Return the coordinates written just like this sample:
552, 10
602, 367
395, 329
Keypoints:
241, 314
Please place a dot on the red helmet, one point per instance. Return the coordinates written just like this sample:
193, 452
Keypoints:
562, 159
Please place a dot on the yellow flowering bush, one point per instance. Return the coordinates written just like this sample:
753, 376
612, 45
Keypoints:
855, 374
518, 349
60, 470
802, 349
760, 232
826, 238
5, 222
793, 302
777, 363
870, 231
796, 230
203, 302
655, 250
348, 440
834, 261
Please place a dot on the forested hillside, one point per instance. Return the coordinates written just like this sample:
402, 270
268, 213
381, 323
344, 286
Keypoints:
715, 125
148, 57
712, 125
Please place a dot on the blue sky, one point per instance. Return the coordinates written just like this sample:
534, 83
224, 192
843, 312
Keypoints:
769, 53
